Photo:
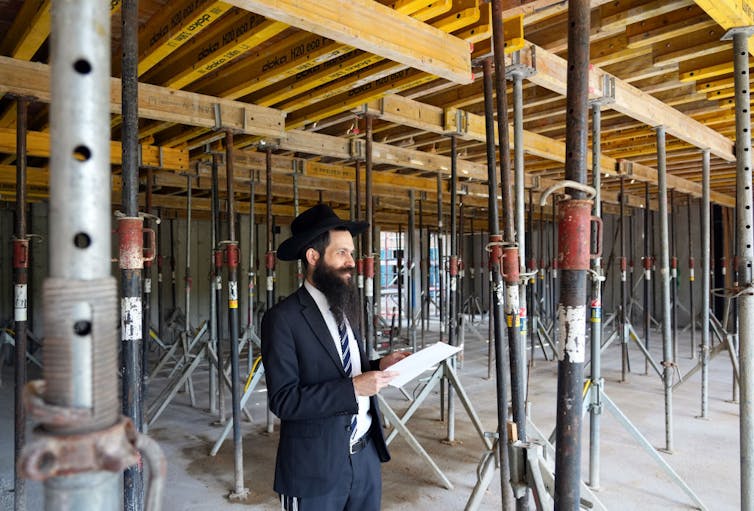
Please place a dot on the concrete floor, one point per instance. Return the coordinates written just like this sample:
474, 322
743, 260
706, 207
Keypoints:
706, 451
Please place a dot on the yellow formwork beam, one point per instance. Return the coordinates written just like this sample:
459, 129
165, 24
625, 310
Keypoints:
467, 12
709, 71
730, 13
174, 26
29, 30
375, 28
257, 33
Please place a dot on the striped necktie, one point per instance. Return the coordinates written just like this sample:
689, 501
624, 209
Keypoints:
347, 366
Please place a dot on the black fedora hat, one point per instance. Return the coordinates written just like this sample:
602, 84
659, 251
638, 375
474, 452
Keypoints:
310, 224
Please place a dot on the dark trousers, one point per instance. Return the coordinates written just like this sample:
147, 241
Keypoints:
359, 487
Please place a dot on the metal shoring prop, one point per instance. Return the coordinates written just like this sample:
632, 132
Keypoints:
745, 238
77, 403
574, 224
412, 280
667, 347
517, 74
147, 292
269, 256
160, 281
595, 405
185, 334
232, 256
131, 248
399, 270
215, 336
622, 316
370, 335
360, 257
173, 296
452, 286
511, 262
461, 251
423, 281
647, 265
499, 458
692, 308
299, 270
20, 300
673, 276
440, 265
706, 244
252, 274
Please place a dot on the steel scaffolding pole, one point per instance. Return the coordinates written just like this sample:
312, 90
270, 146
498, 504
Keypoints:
440, 253
131, 240
412, 280
270, 255
518, 166
647, 265
232, 257
360, 253
370, 335
452, 282
595, 407
673, 276
496, 289
706, 249
511, 261
252, 275
215, 336
692, 308
573, 260
745, 252
667, 336
20, 300
186, 334
147, 290
77, 403
624, 291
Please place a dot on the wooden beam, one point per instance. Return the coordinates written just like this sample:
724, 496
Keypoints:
375, 28
730, 13
158, 103
551, 73
38, 144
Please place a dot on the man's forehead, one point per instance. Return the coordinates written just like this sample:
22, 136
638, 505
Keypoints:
341, 239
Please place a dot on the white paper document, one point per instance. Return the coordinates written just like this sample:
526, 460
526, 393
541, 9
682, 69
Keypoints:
413, 365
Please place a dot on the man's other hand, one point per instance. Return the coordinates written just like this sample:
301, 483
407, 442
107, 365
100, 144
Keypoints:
392, 358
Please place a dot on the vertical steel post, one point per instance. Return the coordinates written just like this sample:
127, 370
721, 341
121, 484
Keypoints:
20, 299
706, 249
360, 253
673, 276
270, 255
370, 335
496, 288
412, 280
81, 354
518, 166
299, 270
147, 292
217, 290
160, 280
622, 315
232, 256
647, 265
252, 275
130, 259
667, 337
510, 261
453, 279
745, 242
399, 273
440, 254
186, 334
573, 260
595, 406
692, 308
423, 278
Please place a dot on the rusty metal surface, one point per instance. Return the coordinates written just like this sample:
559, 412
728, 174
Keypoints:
574, 232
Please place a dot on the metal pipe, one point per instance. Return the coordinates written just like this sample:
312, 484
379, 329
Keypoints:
496, 289
370, 335
453, 279
232, 256
147, 291
216, 295
595, 408
647, 264
412, 280
573, 216
622, 316
399, 272
130, 260
252, 276
706, 249
270, 255
80, 346
299, 270
20, 300
673, 276
667, 347
360, 254
440, 253
745, 239
186, 333
692, 308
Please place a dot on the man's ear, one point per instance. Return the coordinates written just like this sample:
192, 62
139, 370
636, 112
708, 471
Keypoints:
312, 256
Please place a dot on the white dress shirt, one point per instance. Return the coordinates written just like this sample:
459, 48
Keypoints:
363, 420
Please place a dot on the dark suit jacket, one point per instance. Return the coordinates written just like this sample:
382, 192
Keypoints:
312, 395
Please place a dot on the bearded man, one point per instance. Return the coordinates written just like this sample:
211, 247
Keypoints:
319, 381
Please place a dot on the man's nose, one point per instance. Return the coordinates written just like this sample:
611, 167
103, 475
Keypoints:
350, 263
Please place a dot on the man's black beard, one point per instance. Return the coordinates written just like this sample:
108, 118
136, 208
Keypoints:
341, 296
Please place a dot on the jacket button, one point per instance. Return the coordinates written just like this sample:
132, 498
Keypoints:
348, 428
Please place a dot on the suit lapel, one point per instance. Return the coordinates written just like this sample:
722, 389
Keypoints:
316, 322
